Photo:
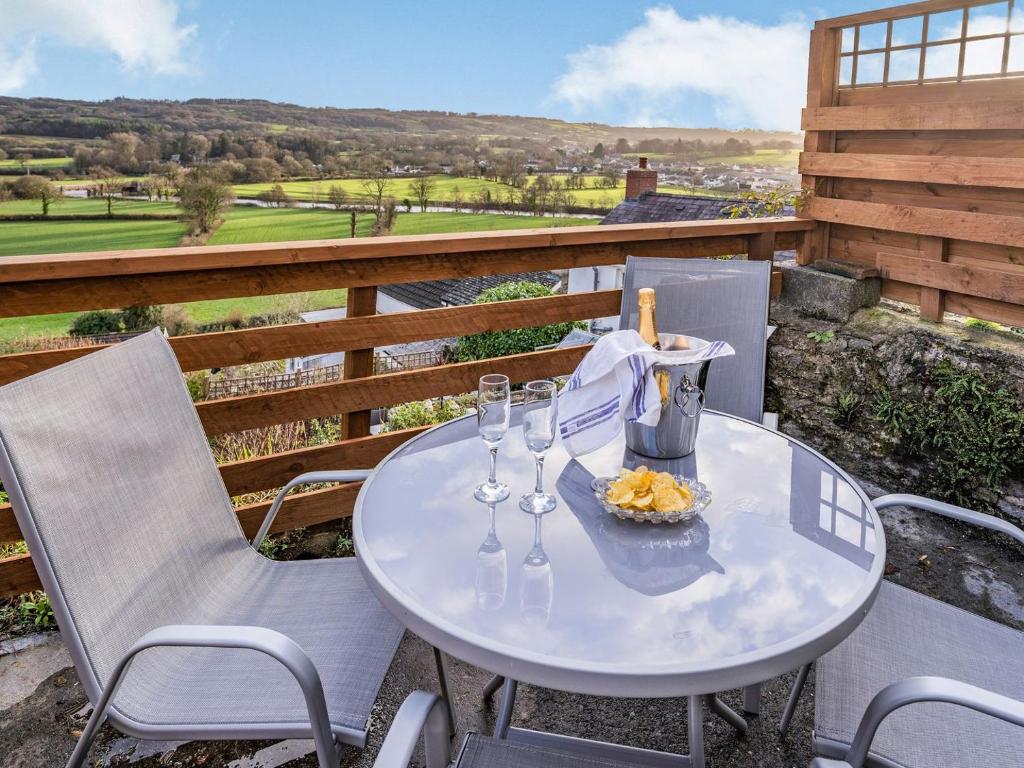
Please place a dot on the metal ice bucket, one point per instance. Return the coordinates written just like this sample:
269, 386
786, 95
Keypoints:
682, 400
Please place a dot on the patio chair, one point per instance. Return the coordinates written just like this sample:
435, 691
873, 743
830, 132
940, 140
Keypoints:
177, 626
885, 696
717, 300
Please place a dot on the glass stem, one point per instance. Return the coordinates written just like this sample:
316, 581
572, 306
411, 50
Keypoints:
540, 476
492, 479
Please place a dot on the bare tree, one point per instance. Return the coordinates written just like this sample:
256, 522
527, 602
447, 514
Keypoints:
377, 187
337, 196
23, 158
107, 184
33, 187
422, 188
457, 198
386, 218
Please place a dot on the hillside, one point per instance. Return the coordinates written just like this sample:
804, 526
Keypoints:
57, 118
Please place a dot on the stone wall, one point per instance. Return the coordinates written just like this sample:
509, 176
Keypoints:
825, 378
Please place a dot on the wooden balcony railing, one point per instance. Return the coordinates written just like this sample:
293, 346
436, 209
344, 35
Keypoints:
33, 285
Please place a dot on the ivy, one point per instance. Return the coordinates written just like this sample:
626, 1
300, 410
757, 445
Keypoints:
966, 427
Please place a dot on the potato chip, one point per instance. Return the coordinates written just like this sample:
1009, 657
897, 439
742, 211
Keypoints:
643, 502
663, 480
669, 500
619, 494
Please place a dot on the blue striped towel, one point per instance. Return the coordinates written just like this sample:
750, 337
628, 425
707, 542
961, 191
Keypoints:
615, 381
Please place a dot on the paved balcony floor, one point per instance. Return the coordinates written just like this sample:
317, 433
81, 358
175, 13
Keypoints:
42, 706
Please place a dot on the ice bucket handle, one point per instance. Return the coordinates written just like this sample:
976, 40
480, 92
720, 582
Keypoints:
684, 394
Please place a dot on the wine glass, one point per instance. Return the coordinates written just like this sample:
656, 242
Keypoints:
540, 413
493, 407
491, 569
536, 589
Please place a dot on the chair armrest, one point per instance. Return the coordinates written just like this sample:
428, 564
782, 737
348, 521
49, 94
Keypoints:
915, 690
424, 713
267, 641
980, 519
307, 478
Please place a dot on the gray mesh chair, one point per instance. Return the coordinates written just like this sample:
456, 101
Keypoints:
138, 547
717, 300
920, 682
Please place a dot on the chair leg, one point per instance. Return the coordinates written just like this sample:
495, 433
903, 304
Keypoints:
752, 699
494, 686
442, 676
508, 702
794, 698
77, 759
695, 730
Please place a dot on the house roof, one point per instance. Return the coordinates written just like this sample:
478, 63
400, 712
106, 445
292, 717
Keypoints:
659, 206
431, 294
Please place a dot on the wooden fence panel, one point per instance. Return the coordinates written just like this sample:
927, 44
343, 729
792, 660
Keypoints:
925, 178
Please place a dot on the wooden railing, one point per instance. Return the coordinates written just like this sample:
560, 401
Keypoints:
33, 285
915, 153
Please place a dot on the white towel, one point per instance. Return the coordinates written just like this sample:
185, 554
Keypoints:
615, 381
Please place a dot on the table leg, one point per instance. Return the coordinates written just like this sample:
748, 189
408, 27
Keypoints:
446, 693
794, 698
492, 687
716, 706
695, 730
508, 702
752, 699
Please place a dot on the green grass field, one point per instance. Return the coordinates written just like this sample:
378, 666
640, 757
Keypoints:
444, 190
39, 162
86, 206
781, 158
244, 224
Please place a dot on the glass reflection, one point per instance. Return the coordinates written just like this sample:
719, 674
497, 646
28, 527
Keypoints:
491, 568
536, 587
650, 559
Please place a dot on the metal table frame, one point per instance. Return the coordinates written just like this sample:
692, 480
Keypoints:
512, 665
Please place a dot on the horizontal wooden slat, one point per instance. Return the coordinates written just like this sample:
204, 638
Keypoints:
995, 200
175, 260
981, 227
254, 345
277, 469
251, 411
63, 295
970, 90
977, 115
302, 509
898, 12
972, 171
1002, 143
985, 309
17, 576
1000, 285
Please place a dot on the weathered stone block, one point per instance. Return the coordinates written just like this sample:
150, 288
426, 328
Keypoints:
826, 295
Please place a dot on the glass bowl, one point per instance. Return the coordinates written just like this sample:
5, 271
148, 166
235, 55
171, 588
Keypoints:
701, 499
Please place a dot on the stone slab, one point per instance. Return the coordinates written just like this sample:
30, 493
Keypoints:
826, 295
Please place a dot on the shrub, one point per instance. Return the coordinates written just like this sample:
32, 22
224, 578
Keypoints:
967, 428
144, 318
95, 323
499, 343
421, 414
176, 320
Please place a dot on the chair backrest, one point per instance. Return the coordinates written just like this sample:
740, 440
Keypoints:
115, 489
717, 300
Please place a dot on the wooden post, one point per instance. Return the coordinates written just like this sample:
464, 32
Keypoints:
822, 91
761, 247
933, 300
358, 362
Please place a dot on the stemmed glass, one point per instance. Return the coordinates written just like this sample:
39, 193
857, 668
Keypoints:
491, 569
536, 590
493, 407
540, 413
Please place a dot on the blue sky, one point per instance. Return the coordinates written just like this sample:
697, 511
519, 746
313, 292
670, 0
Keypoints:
734, 63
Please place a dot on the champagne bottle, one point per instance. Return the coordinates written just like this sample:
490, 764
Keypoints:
648, 325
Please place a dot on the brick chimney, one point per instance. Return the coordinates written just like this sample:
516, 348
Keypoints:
640, 180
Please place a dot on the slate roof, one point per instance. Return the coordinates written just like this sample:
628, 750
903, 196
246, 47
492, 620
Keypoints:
432, 294
653, 207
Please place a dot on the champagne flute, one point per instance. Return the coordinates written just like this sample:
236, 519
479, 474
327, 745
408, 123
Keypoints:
540, 414
491, 569
536, 589
493, 408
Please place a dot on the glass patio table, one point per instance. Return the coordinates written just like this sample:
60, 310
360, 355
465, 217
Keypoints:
781, 566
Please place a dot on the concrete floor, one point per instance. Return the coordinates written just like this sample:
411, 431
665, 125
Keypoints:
42, 706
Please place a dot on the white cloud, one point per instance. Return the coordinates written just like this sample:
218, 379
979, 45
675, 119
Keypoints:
142, 34
754, 76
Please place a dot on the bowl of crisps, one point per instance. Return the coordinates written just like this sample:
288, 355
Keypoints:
651, 497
